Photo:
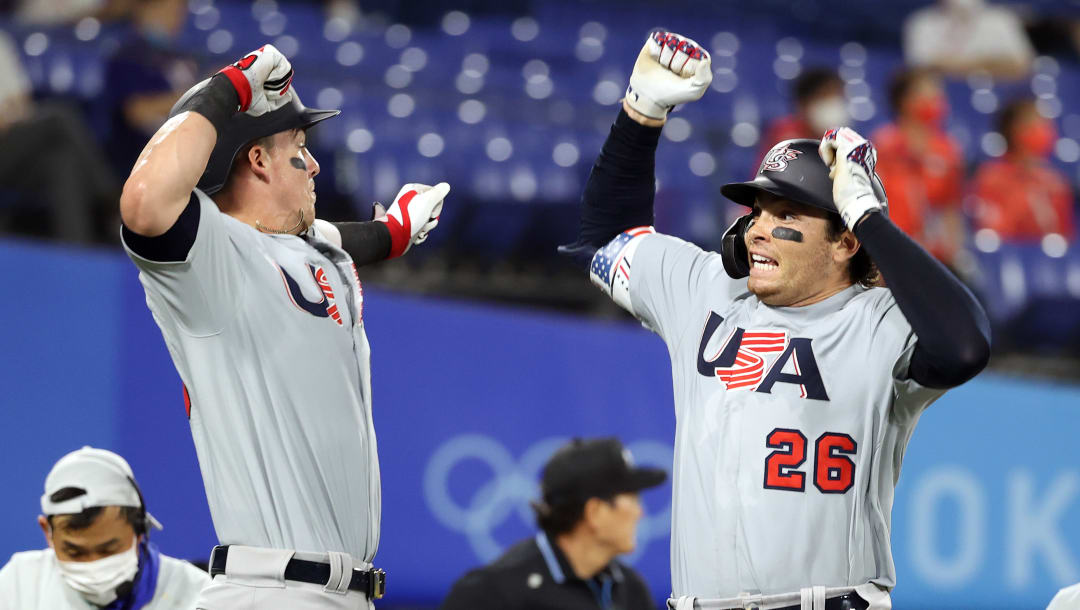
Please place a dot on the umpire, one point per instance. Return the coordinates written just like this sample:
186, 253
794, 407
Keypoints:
588, 516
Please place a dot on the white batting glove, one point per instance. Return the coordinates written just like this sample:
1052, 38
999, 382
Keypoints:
413, 215
851, 159
262, 80
670, 70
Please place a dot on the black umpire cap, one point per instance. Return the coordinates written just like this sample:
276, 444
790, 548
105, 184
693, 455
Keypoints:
598, 468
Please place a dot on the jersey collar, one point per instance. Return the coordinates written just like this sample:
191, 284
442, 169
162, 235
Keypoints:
558, 566
830, 305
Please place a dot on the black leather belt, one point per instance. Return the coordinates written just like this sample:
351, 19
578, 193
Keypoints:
371, 582
847, 601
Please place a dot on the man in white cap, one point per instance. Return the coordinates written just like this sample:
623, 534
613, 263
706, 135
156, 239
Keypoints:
99, 554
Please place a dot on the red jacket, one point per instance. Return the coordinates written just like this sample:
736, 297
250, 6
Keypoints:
1023, 201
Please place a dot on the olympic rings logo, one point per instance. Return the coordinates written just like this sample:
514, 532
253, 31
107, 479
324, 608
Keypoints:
513, 484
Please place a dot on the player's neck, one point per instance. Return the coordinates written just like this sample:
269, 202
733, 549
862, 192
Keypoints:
261, 218
584, 554
826, 292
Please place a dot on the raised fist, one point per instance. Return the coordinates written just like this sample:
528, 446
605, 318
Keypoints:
262, 80
852, 160
413, 215
670, 70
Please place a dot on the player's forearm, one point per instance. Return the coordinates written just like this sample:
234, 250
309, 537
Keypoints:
169, 167
952, 327
620, 190
366, 242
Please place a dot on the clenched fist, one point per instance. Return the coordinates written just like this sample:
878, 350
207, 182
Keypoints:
262, 80
670, 70
414, 213
852, 160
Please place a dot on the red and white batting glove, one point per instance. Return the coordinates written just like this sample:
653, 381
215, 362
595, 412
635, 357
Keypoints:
852, 160
670, 70
262, 80
414, 213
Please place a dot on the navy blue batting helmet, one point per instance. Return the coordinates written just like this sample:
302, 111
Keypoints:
792, 170
242, 129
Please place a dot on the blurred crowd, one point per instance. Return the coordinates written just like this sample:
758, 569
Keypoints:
1019, 197
65, 158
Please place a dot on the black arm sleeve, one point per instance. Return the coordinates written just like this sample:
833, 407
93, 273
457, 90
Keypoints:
620, 190
173, 245
952, 328
366, 242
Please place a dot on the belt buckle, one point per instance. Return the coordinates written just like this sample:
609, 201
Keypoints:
376, 588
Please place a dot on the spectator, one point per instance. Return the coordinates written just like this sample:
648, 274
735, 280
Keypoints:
55, 12
588, 516
820, 104
959, 37
99, 554
1021, 196
145, 77
921, 165
48, 158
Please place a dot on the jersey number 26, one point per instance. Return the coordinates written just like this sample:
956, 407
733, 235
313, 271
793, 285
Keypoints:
834, 471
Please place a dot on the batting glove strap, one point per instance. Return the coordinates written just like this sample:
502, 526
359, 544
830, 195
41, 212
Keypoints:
670, 70
400, 226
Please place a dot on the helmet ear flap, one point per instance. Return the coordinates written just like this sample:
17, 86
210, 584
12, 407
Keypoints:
733, 250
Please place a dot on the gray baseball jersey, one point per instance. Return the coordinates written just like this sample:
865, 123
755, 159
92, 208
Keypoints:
791, 422
267, 334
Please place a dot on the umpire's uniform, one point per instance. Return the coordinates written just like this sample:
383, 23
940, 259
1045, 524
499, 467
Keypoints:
535, 575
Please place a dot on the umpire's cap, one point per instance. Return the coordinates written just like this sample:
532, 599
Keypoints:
243, 128
793, 170
597, 468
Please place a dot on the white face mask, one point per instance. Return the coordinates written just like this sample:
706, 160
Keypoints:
828, 113
96, 581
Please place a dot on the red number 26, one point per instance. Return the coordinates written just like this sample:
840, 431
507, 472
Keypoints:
834, 471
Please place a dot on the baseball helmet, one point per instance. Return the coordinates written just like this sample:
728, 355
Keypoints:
242, 128
793, 170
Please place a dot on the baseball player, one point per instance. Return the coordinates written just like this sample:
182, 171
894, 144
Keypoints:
796, 389
100, 554
262, 312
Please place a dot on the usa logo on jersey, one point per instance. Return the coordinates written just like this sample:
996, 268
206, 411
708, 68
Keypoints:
741, 361
325, 307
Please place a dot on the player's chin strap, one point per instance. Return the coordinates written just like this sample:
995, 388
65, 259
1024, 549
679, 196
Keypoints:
290, 231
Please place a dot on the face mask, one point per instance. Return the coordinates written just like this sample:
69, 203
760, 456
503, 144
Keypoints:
827, 114
931, 110
1038, 139
96, 581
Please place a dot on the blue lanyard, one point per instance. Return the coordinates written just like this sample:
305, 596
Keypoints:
602, 593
